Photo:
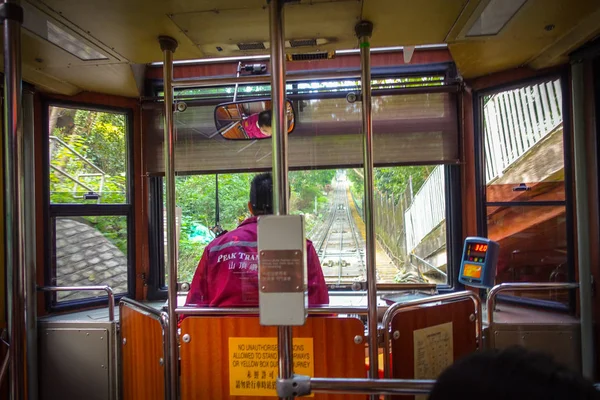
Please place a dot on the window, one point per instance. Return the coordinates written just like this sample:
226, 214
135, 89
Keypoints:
415, 150
526, 201
90, 215
410, 220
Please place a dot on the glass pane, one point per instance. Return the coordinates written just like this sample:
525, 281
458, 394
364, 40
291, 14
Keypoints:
533, 246
88, 156
90, 251
409, 220
196, 217
523, 130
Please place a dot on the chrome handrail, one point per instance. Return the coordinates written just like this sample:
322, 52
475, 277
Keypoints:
163, 318
198, 311
107, 289
521, 287
371, 386
413, 304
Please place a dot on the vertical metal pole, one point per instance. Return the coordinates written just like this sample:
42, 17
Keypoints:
168, 46
280, 153
364, 30
583, 226
13, 167
30, 265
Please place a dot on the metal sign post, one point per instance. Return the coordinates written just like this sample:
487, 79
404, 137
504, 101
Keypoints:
364, 30
168, 46
12, 16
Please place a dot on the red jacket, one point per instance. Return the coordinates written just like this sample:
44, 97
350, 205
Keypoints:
227, 275
250, 125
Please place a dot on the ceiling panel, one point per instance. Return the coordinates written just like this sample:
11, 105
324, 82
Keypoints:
535, 27
210, 30
411, 22
115, 79
128, 29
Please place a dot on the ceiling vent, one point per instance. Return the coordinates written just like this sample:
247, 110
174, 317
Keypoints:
303, 43
321, 55
251, 46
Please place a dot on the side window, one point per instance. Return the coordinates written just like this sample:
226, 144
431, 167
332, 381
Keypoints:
89, 208
524, 175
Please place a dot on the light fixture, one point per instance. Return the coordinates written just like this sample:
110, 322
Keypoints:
337, 53
494, 17
42, 25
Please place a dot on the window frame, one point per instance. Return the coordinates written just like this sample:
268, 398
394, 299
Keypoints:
52, 211
157, 289
568, 203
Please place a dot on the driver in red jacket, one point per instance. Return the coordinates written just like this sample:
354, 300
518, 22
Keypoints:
227, 275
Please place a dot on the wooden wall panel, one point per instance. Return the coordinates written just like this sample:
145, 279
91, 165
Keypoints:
143, 378
204, 360
463, 333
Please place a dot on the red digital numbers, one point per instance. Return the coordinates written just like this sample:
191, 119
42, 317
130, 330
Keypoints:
481, 247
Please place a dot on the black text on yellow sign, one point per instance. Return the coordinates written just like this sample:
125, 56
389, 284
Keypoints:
253, 364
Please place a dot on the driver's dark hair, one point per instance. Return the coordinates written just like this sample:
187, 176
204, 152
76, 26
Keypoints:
515, 373
264, 118
261, 194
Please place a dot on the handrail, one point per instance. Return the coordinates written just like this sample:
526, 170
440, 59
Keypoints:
371, 386
521, 287
428, 264
163, 318
142, 308
190, 311
107, 289
401, 307
88, 162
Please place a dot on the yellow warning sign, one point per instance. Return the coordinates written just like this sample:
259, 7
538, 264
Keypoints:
253, 364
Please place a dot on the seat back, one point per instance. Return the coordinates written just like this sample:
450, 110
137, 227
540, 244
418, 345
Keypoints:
236, 357
428, 339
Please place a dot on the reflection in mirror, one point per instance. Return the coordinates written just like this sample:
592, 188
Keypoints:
244, 120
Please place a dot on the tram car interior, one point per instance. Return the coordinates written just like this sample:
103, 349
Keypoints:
442, 157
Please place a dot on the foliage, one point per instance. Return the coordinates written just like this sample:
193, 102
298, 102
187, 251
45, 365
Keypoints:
391, 181
196, 197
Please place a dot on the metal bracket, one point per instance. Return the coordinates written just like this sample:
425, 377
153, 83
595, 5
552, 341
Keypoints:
297, 385
12, 12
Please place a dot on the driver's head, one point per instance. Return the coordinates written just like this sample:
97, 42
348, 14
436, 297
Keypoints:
264, 122
261, 195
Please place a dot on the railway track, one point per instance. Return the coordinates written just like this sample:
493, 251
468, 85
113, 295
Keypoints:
338, 242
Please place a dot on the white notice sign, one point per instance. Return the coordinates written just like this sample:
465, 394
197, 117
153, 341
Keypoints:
433, 351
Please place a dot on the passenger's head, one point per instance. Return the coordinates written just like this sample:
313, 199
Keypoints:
264, 122
513, 374
261, 195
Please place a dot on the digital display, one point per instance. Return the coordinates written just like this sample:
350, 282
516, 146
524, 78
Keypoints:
472, 271
479, 247
476, 252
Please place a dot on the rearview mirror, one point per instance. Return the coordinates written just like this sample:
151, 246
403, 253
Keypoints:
249, 120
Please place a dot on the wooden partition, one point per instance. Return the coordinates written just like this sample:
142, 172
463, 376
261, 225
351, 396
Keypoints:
426, 340
143, 375
211, 346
